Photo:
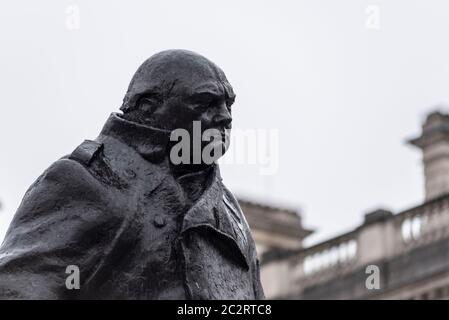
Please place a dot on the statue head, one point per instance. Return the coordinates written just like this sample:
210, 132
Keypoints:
175, 88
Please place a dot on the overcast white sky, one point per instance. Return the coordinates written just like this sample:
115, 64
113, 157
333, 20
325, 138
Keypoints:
343, 91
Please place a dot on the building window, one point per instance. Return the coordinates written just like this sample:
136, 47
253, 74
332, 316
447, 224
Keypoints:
411, 228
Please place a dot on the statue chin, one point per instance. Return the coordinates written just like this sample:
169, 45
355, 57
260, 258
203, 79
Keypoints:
219, 148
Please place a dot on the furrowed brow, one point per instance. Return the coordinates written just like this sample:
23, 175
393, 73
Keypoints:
212, 89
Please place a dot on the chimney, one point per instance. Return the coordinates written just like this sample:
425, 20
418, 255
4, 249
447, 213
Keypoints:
434, 143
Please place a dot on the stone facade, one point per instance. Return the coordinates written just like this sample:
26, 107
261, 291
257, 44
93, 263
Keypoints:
274, 228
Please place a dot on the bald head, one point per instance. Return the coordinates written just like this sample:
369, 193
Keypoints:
175, 72
176, 89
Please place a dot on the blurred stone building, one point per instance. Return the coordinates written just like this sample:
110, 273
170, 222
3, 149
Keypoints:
409, 250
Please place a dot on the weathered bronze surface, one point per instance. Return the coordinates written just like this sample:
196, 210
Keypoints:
137, 225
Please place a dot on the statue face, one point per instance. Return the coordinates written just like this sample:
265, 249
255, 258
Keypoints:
206, 103
180, 89
177, 88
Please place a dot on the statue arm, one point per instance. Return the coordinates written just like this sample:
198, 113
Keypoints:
56, 225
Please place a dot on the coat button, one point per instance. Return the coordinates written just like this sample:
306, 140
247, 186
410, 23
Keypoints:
130, 174
160, 221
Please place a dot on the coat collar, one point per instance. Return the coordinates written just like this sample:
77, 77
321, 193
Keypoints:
151, 143
209, 210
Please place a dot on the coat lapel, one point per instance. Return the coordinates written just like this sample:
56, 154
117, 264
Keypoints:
211, 211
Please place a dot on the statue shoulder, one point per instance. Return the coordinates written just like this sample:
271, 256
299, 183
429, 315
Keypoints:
72, 170
229, 197
231, 201
66, 180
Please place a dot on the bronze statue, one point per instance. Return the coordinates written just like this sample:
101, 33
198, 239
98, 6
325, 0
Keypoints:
133, 222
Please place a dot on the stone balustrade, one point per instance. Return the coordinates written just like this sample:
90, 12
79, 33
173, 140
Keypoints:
383, 235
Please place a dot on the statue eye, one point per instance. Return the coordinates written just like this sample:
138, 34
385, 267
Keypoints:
202, 98
149, 103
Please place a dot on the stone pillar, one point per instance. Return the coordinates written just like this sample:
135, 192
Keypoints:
434, 143
376, 237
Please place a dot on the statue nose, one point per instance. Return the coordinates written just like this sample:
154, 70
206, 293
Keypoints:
223, 120
223, 117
